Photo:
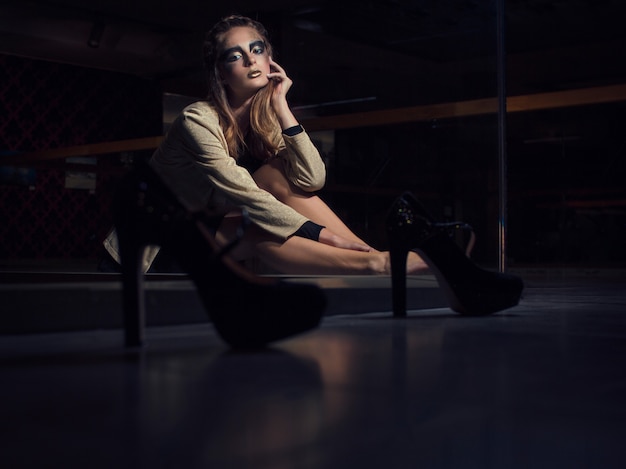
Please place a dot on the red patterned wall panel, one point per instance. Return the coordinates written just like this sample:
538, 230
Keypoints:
46, 105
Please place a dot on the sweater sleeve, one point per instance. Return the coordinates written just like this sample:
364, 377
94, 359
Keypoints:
302, 162
194, 162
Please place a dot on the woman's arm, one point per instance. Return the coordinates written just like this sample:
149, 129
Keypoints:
303, 165
194, 162
281, 84
332, 239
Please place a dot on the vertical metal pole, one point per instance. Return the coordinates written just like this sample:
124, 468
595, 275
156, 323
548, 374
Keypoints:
502, 159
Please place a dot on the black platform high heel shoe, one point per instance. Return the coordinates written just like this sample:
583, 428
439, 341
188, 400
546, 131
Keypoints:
247, 311
469, 289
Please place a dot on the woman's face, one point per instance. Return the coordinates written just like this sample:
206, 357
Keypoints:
244, 62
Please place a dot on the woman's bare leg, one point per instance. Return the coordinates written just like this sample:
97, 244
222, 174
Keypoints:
272, 178
301, 256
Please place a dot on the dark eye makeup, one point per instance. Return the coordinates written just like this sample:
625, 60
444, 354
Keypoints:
235, 53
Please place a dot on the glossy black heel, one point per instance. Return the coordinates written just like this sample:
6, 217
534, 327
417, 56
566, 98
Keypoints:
247, 311
469, 289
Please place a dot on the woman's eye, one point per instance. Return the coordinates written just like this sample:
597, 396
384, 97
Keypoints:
233, 57
258, 50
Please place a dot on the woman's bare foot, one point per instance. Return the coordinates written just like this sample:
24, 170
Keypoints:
415, 265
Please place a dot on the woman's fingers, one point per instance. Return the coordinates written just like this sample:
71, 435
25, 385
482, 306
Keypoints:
278, 69
279, 76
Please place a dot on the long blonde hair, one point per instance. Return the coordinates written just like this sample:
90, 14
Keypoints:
264, 139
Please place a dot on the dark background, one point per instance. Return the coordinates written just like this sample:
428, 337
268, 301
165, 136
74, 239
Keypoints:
566, 170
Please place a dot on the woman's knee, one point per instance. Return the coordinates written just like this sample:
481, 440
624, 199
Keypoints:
270, 177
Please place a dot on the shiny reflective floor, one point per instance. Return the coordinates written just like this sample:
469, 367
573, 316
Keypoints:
540, 385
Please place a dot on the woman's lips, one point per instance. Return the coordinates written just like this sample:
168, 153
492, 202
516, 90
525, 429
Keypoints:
254, 74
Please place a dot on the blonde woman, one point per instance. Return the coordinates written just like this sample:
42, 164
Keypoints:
243, 147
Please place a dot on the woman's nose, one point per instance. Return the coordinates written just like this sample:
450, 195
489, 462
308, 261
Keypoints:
250, 59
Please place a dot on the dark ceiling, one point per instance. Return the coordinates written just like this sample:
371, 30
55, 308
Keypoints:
371, 53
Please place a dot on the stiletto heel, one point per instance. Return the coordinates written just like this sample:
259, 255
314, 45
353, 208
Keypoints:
469, 289
247, 311
137, 224
401, 231
132, 292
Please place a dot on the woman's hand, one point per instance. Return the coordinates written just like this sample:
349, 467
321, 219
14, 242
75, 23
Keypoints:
281, 83
332, 239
